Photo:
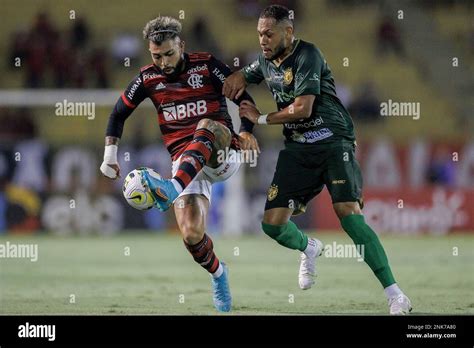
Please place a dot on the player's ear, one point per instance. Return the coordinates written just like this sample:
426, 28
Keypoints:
289, 32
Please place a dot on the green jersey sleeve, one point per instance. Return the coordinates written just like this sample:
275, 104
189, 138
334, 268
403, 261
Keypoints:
253, 72
309, 68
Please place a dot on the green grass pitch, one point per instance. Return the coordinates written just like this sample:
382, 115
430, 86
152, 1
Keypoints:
160, 277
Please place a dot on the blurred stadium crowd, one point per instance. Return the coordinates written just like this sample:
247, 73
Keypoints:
371, 49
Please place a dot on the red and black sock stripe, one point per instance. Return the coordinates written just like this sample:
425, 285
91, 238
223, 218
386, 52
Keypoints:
203, 253
195, 156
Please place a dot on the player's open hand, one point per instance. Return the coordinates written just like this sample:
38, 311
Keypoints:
234, 85
248, 142
249, 110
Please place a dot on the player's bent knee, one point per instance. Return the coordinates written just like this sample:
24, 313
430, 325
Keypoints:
277, 216
223, 132
219, 130
191, 234
346, 208
206, 123
276, 232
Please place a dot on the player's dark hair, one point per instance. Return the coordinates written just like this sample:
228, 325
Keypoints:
277, 12
161, 29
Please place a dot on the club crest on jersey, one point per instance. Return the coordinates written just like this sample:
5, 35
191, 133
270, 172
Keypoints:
195, 81
272, 192
287, 76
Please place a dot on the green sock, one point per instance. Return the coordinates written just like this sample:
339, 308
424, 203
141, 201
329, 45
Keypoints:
374, 254
287, 235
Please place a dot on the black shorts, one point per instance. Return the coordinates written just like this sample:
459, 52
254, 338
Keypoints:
303, 170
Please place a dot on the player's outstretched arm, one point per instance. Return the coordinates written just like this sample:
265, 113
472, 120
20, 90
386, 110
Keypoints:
128, 101
220, 74
234, 85
301, 108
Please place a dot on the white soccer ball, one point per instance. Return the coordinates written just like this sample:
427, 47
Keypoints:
134, 189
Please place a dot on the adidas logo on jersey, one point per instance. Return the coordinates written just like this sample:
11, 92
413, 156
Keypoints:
161, 85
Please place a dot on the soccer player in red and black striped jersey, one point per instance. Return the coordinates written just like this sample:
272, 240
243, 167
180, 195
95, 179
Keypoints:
186, 89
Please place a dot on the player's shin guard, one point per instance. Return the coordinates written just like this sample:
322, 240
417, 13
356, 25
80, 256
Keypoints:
374, 254
203, 253
195, 156
287, 235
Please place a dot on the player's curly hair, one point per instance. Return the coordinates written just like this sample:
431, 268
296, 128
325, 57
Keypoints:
161, 29
278, 12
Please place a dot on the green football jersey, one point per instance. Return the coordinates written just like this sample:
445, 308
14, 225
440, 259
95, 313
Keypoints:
305, 72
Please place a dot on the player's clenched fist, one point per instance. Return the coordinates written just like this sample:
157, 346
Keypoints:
248, 142
249, 110
234, 85
110, 167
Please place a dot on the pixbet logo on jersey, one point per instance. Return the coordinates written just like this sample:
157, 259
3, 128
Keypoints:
182, 111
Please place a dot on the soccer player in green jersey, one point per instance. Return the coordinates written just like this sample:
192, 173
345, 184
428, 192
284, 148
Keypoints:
319, 148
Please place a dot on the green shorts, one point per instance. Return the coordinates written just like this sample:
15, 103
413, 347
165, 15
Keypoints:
303, 170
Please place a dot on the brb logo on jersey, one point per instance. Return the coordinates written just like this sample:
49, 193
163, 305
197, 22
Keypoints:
182, 111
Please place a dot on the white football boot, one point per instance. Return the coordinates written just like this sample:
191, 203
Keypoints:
399, 305
307, 271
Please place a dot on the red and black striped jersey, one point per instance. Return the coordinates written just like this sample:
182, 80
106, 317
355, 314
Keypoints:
181, 101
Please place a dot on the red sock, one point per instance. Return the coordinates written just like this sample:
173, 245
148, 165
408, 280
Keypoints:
203, 253
195, 156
